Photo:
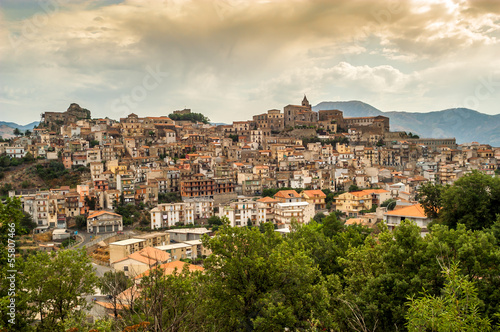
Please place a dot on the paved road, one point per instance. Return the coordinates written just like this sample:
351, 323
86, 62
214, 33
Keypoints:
100, 269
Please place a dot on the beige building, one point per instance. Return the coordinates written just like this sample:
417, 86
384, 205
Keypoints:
200, 249
179, 251
298, 115
121, 249
285, 213
141, 261
414, 213
315, 197
268, 204
103, 222
154, 239
166, 215
353, 202
187, 234
242, 211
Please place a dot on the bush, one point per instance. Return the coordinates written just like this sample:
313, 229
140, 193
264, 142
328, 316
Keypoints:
193, 117
68, 243
26, 184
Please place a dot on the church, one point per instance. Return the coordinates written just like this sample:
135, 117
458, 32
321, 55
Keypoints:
300, 115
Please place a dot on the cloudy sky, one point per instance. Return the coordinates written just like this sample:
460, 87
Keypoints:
230, 59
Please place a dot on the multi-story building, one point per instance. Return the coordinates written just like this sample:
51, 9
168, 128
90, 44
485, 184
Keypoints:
314, 197
121, 249
285, 213
243, 212
273, 120
72, 208
352, 203
125, 184
15, 151
104, 222
154, 239
268, 204
42, 208
166, 215
197, 186
299, 115
379, 121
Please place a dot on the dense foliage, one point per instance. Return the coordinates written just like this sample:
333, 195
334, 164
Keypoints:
472, 200
173, 197
193, 117
323, 276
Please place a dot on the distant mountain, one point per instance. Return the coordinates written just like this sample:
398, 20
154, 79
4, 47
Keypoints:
353, 108
7, 128
464, 124
29, 126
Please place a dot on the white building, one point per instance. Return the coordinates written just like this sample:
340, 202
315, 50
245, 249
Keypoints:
242, 211
202, 207
15, 151
284, 213
413, 212
165, 215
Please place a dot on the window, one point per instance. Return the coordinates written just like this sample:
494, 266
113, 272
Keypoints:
125, 268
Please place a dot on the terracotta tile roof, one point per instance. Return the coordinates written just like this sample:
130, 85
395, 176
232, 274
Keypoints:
360, 193
376, 191
267, 200
169, 268
416, 211
100, 213
313, 193
286, 194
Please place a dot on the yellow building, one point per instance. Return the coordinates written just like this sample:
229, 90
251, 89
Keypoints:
141, 261
314, 197
354, 202
121, 249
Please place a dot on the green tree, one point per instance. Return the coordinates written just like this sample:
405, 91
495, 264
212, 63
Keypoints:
4, 190
27, 223
456, 310
17, 132
91, 202
381, 274
193, 117
430, 198
113, 283
353, 187
81, 222
11, 228
93, 143
318, 217
27, 133
214, 221
478, 255
389, 204
259, 282
473, 200
57, 284
172, 302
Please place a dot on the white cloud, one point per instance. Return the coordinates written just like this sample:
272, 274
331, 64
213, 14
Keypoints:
245, 57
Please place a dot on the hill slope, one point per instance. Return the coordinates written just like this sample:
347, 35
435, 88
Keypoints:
7, 128
464, 124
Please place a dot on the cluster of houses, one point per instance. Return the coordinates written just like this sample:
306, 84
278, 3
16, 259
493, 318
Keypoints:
224, 170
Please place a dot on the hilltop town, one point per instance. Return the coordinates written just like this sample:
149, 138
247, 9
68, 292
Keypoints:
186, 171
147, 196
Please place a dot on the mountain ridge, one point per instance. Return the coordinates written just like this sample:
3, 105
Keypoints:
466, 125
7, 128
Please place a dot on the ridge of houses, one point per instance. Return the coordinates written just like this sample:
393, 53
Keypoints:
224, 169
